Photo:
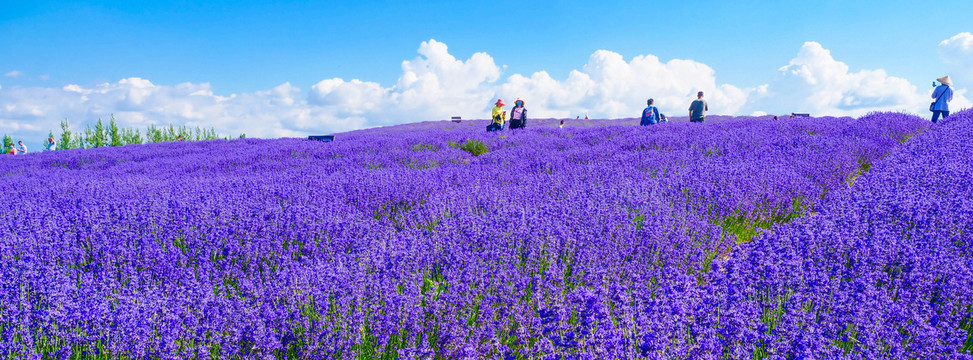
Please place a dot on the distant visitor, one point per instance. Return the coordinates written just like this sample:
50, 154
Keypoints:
943, 95
22, 148
698, 109
518, 115
499, 116
51, 144
651, 114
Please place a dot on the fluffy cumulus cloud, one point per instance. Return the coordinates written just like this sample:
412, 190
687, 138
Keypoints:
814, 82
608, 86
957, 53
436, 85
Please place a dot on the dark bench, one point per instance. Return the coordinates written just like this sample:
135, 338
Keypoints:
800, 115
456, 119
324, 138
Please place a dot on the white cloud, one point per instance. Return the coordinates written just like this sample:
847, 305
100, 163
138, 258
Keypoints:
814, 82
436, 85
610, 87
13, 74
957, 53
137, 102
432, 86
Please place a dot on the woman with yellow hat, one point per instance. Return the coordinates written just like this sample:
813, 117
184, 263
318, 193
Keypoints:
943, 95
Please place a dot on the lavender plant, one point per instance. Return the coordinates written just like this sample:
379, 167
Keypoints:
740, 238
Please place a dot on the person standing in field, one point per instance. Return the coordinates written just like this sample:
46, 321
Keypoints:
23, 148
651, 114
51, 145
499, 116
698, 109
518, 115
13, 150
943, 95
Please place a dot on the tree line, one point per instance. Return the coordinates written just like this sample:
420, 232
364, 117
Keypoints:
111, 135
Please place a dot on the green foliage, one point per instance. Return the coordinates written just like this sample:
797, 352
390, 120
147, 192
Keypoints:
131, 136
99, 137
864, 165
8, 143
66, 137
967, 324
115, 136
848, 338
112, 135
475, 147
744, 226
424, 147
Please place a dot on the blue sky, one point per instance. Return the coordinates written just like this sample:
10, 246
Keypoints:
249, 47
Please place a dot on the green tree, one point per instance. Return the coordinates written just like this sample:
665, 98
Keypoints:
153, 134
66, 140
134, 137
8, 143
98, 133
115, 135
86, 139
171, 133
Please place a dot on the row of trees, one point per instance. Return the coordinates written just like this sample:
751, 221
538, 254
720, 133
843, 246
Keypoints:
111, 135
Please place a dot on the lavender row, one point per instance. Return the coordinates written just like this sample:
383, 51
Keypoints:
883, 270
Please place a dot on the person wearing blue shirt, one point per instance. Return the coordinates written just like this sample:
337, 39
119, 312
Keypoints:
943, 95
651, 114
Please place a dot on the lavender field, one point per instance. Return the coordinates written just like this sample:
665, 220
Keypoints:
740, 238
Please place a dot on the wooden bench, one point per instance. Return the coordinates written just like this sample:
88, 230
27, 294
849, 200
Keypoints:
456, 119
800, 115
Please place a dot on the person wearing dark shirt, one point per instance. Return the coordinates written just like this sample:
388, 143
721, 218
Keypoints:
698, 109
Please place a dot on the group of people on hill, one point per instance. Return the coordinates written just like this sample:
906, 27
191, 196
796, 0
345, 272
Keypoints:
22, 149
697, 112
518, 116
651, 115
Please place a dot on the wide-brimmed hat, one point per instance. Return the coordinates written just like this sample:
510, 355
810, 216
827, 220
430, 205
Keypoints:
521, 101
500, 102
945, 80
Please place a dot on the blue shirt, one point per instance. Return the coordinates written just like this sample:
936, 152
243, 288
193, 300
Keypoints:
943, 103
650, 116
